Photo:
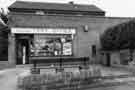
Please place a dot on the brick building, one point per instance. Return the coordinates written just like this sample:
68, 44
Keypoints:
53, 30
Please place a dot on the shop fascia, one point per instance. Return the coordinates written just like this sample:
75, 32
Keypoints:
18, 30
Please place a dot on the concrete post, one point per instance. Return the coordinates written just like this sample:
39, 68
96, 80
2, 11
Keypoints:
11, 49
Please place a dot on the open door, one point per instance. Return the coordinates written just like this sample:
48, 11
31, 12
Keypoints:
22, 51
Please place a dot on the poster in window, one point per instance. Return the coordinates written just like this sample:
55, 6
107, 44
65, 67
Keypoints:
67, 48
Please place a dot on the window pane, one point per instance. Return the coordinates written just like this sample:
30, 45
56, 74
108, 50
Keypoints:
51, 46
67, 45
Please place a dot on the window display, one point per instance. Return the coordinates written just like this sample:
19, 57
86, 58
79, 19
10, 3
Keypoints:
44, 45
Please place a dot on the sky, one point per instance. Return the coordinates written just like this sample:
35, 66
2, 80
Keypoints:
113, 8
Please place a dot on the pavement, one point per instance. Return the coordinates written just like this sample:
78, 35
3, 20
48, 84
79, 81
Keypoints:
8, 77
130, 86
111, 71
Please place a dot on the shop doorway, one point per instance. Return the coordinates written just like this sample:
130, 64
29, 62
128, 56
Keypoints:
22, 51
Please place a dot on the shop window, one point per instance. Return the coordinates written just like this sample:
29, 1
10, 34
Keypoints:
43, 45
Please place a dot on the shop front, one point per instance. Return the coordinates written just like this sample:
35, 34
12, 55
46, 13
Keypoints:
36, 43
51, 31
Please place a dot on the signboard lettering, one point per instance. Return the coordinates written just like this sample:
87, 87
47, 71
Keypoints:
43, 30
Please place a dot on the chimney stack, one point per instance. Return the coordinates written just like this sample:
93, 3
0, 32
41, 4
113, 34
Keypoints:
71, 2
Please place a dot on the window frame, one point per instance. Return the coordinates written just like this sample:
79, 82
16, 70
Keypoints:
55, 36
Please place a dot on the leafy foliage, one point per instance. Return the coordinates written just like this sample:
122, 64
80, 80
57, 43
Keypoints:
3, 16
119, 37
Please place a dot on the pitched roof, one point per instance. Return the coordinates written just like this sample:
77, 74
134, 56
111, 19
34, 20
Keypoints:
54, 6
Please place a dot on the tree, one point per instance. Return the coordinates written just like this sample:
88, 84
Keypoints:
119, 37
3, 15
